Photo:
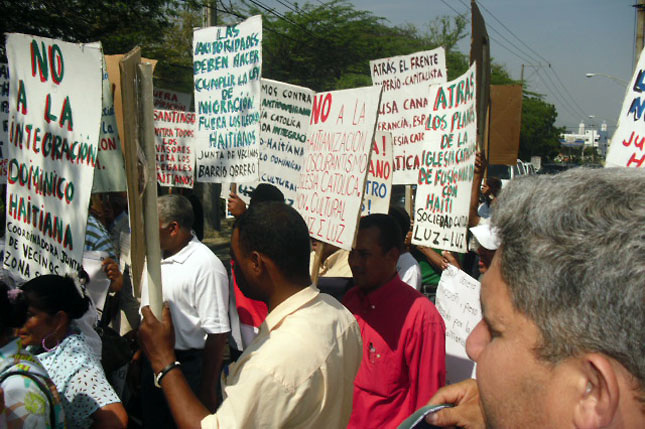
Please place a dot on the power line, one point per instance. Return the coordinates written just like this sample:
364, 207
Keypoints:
513, 34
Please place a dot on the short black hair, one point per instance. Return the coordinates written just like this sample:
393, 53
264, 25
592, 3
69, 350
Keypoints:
402, 217
278, 231
390, 235
265, 192
52, 293
495, 184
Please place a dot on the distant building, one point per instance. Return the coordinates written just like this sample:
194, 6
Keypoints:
588, 138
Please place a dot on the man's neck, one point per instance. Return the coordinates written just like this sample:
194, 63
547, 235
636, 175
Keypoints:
183, 242
285, 291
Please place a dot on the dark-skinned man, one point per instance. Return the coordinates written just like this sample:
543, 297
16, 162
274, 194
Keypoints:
403, 333
298, 372
195, 286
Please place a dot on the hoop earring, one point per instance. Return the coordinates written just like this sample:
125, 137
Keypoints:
43, 343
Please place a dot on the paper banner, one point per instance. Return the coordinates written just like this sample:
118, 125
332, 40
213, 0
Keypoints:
166, 99
404, 106
175, 140
109, 175
284, 122
447, 166
378, 186
628, 144
54, 122
336, 160
4, 120
458, 303
227, 64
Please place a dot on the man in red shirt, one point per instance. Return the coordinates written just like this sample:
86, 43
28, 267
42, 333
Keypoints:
403, 334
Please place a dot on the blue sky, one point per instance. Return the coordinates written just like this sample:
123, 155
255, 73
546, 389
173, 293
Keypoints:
574, 36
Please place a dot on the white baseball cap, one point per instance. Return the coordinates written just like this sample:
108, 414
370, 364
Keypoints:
486, 236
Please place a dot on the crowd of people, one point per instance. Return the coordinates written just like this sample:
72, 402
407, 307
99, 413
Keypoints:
321, 337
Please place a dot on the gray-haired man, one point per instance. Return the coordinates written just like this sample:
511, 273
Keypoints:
195, 285
561, 343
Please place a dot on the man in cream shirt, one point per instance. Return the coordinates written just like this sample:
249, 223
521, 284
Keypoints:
299, 371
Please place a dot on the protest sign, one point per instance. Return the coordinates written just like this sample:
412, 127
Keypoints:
447, 166
405, 80
166, 99
114, 76
628, 144
174, 142
109, 175
458, 303
332, 182
505, 123
4, 119
284, 122
378, 186
227, 63
54, 122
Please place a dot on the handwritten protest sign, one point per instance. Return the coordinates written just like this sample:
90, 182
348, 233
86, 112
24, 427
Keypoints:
109, 175
378, 186
54, 122
166, 99
404, 106
332, 181
458, 303
174, 141
447, 166
227, 62
284, 122
4, 119
628, 144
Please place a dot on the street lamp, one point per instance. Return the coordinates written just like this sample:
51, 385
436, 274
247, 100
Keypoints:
618, 80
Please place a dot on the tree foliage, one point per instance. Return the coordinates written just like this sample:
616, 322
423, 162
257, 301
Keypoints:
538, 135
321, 46
327, 47
119, 25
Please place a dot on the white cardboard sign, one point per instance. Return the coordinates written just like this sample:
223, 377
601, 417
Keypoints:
458, 303
628, 144
54, 122
174, 143
332, 181
447, 166
404, 106
378, 186
227, 65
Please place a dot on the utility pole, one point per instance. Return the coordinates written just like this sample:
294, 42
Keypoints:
640, 29
211, 13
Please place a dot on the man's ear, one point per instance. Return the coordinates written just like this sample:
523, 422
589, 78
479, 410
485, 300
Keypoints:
393, 254
256, 263
598, 392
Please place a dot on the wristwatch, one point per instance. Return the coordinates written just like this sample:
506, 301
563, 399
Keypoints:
161, 374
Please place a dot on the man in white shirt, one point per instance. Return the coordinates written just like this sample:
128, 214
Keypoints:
195, 286
299, 371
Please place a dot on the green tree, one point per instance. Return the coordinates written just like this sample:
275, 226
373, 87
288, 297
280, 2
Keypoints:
327, 47
538, 135
119, 25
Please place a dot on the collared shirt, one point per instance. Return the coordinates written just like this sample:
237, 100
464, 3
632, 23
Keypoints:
299, 370
336, 264
409, 270
195, 285
404, 353
97, 237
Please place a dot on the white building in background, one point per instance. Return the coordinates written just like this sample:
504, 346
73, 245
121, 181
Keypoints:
587, 137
